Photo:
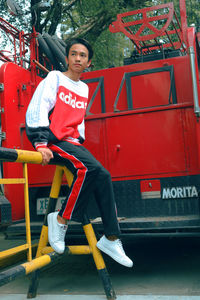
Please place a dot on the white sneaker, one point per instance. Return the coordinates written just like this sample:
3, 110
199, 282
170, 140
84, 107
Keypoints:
56, 233
115, 250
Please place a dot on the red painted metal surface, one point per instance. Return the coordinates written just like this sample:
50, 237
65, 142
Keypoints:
142, 25
18, 90
150, 185
146, 143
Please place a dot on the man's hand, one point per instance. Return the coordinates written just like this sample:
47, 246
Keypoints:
47, 154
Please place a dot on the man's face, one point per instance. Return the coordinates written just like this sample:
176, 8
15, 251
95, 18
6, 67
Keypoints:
78, 58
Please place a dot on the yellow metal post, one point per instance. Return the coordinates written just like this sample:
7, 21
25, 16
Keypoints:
4, 254
98, 259
54, 193
27, 212
69, 176
31, 157
57, 181
92, 241
43, 241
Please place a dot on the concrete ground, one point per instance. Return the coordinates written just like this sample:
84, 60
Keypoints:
165, 268
97, 297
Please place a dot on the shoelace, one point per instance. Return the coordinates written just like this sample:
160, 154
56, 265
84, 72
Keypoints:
120, 245
62, 232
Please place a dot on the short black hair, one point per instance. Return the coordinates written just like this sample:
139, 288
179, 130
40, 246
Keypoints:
84, 42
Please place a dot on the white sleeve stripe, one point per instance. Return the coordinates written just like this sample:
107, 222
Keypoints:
42, 102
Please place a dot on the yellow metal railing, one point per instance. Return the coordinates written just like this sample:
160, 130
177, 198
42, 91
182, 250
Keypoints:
45, 254
23, 157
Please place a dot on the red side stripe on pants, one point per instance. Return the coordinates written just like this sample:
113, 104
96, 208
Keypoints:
76, 189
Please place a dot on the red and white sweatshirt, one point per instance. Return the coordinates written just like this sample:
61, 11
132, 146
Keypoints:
57, 109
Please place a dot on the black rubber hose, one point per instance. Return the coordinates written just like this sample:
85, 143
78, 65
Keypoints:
55, 49
57, 42
46, 50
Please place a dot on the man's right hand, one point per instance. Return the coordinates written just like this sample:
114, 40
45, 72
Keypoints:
47, 154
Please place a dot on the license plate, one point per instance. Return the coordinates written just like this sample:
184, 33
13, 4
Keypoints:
42, 204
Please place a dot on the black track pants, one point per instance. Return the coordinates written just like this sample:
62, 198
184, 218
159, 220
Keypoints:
89, 177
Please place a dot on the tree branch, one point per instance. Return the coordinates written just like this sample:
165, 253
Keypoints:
93, 27
68, 6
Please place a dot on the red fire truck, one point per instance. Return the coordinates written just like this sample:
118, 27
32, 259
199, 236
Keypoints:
142, 123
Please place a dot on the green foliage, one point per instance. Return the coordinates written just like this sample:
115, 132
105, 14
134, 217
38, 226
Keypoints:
20, 22
109, 49
192, 9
